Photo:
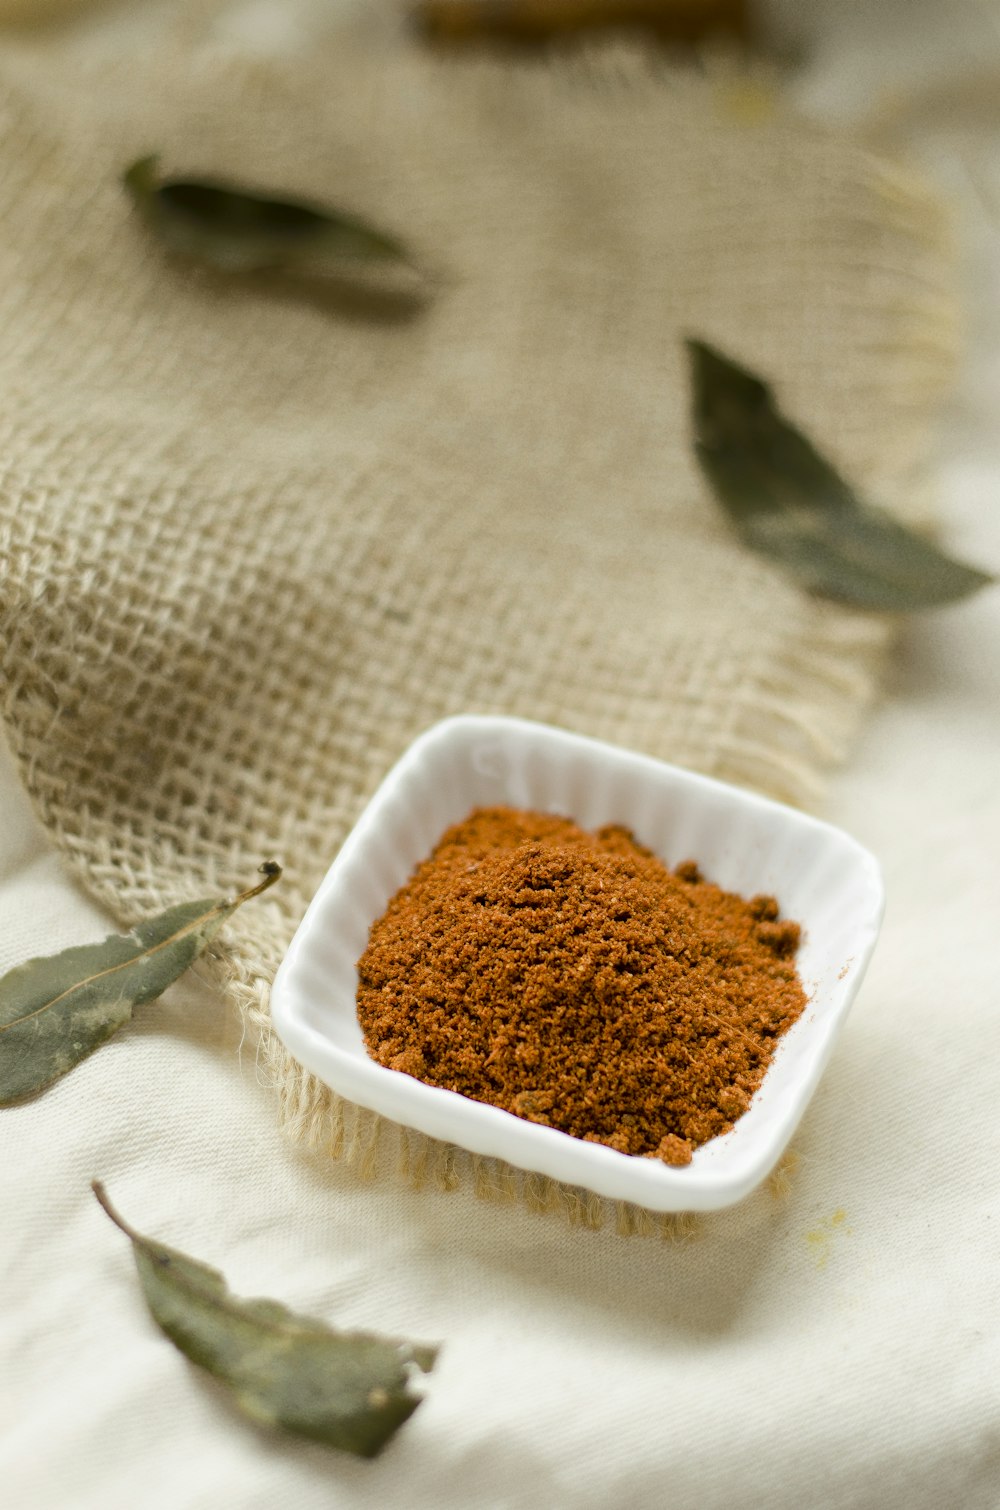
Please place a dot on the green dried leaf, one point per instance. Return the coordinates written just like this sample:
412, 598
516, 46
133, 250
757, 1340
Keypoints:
56, 1010
347, 1389
789, 505
235, 230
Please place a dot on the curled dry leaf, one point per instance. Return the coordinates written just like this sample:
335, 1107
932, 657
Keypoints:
792, 507
349, 1390
56, 1010
238, 230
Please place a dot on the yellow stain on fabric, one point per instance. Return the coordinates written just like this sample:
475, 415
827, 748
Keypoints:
821, 1238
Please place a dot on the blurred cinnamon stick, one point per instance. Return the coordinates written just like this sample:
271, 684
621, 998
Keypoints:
527, 21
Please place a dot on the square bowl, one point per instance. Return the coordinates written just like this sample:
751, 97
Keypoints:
743, 842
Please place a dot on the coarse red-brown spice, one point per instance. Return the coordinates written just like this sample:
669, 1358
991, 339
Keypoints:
574, 980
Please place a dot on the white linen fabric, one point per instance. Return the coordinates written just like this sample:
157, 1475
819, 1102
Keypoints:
833, 1343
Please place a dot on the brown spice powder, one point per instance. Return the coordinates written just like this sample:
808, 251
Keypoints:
572, 979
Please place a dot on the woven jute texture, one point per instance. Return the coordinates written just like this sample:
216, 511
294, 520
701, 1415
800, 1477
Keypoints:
253, 542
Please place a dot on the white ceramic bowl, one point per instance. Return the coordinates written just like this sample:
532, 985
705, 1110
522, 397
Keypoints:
820, 876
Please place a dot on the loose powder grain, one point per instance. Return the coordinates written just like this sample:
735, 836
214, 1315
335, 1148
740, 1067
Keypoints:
574, 980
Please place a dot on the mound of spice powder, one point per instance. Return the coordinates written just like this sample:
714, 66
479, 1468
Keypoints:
574, 980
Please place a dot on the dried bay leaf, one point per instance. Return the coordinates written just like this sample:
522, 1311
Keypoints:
792, 507
236, 230
56, 1010
349, 1390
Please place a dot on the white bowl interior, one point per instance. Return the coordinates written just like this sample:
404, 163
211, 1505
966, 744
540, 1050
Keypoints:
820, 876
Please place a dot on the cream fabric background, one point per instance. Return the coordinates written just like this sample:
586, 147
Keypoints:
779, 1358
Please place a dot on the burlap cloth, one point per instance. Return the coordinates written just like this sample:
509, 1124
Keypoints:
252, 542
